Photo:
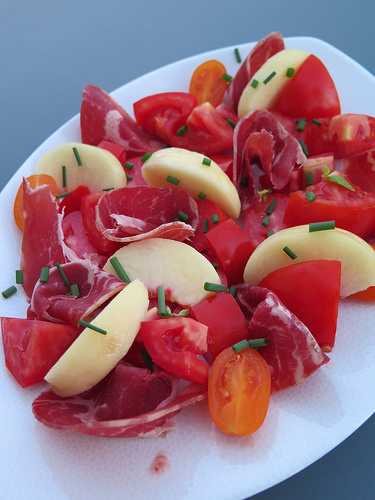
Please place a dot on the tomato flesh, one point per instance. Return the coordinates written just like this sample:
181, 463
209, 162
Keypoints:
73, 201
207, 83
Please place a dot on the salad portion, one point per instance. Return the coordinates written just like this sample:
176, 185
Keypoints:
197, 251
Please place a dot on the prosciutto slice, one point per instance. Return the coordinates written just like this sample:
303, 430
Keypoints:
42, 239
52, 301
293, 353
132, 214
102, 118
132, 402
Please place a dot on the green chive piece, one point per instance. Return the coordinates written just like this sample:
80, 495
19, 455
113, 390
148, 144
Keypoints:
325, 171
147, 359
119, 270
129, 177
146, 157
227, 77
266, 221
310, 196
255, 343
206, 161
214, 287
44, 274
215, 218
300, 124
240, 346
231, 122
64, 176
173, 180
322, 226
237, 55
205, 226
61, 196
95, 328
19, 277
108, 189
269, 77
316, 122
9, 292
233, 291
270, 233
128, 165
271, 207
202, 196
304, 147
254, 83
182, 216
162, 308
74, 290
77, 156
183, 313
309, 178
290, 72
182, 130
62, 275
289, 253
341, 181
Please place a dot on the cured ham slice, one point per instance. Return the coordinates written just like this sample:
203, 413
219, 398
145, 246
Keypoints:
132, 214
293, 353
52, 301
102, 118
42, 238
132, 402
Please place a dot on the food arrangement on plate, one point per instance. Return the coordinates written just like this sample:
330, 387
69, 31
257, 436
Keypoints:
195, 252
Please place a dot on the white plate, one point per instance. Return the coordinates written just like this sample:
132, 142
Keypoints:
304, 422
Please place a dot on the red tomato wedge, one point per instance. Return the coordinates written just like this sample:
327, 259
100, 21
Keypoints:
174, 344
239, 388
209, 216
352, 134
32, 347
311, 93
73, 201
360, 171
207, 83
311, 290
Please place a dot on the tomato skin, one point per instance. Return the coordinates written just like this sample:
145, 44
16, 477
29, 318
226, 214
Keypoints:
174, 344
34, 181
360, 171
73, 202
225, 321
318, 283
310, 93
206, 209
32, 347
207, 83
239, 388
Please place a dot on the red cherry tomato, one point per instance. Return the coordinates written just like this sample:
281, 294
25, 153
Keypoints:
207, 83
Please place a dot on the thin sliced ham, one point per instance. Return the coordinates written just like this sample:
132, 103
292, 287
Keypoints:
293, 353
132, 214
52, 301
132, 402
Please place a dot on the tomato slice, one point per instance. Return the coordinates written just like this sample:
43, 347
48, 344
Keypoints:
311, 93
239, 388
360, 171
174, 344
207, 83
318, 284
73, 201
32, 347
352, 134
209, 216
34, 181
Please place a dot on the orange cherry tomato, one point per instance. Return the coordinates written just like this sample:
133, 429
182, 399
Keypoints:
366, 295
34, 181
207, 82
239, 388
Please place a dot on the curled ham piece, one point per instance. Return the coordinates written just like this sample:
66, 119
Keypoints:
132, 214
293, 353
51, 301
131, 402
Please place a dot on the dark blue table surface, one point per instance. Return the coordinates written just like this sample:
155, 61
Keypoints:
49, 50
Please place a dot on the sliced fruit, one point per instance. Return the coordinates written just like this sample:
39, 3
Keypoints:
93, 355
356, 256
271, 79
178, 267
195, 173
85, 165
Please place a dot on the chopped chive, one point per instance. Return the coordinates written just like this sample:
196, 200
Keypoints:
182, 130
182, 216
300, 124
44, 274
108, 189
304, 147
19, 277
316, 122
309, 178
271, 207
310, 196
240, 346
341, 181
214, 287
77, 156
9, 292
237, 55
252, 343
64, 176
227, 77
231, 122
202, 196
146, 157
147, 359
254, 83
162, 308
205, 226
74, 290
290, 72
233, 291
215, 218
128, 165
269, 77
62, 275
61, 196
173, 180
206, 161
264, 193
326, 171
129, 177
184, 313
119, 270
266, 221
322, 226
289, 253
95, 328
270, 233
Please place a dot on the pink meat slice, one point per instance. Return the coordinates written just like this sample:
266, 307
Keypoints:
103, 119
292, 353
131, 402
52, 301
42, 238
137, 213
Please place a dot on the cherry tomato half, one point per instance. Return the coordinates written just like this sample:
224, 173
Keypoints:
207, 82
